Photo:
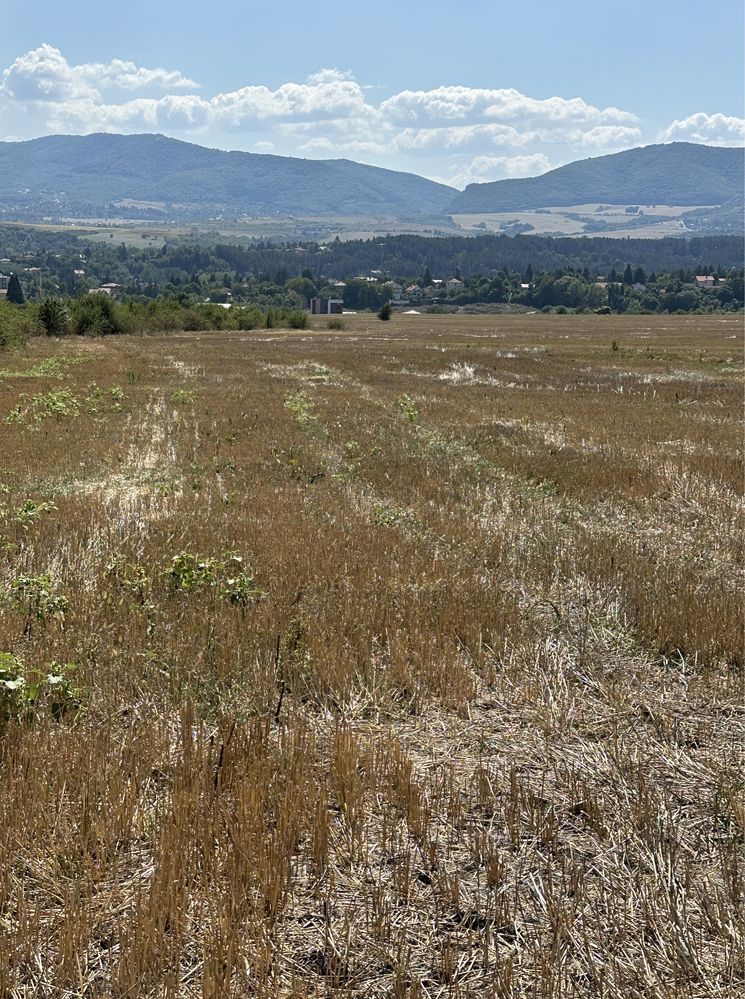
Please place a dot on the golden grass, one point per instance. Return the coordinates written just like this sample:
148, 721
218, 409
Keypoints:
464, 720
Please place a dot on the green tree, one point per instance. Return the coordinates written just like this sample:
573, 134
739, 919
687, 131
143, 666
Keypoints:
53, 316
385, 312
95, 315
302, 286
628, 275
15, 292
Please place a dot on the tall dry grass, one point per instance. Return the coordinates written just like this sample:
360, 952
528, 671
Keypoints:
408, 661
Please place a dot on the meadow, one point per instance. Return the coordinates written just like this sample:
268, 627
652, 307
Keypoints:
402, 659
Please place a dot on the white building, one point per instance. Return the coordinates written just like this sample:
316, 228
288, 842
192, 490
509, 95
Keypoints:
395, 289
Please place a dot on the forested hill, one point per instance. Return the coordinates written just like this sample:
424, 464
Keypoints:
93, 175
678, 173
482, 254
391, 255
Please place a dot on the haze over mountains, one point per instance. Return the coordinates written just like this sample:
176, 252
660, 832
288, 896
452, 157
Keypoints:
152, 176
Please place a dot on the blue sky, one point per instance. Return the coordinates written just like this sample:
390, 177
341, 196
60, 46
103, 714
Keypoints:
458, 92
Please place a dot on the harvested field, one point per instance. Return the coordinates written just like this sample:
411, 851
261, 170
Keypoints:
403, 660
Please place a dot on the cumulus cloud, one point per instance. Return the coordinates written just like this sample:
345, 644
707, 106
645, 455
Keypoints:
44, 75
246, 109
486, 168
466, 133
711, 129
460, 137
129, 76
605, 136
450, 103
324, 95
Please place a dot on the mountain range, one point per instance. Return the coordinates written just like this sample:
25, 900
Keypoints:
152, 176
677, 173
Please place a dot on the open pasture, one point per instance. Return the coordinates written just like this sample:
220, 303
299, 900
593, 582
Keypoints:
403, 660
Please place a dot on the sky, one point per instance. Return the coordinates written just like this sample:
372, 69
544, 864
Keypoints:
458, 92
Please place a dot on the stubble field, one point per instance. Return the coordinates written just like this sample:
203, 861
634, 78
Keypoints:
403, 660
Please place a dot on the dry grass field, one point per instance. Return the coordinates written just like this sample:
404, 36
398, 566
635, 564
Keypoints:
403, 660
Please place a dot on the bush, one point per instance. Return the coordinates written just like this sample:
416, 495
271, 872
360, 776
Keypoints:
53, 316
294, 319
248, 319
16, 325
336, 324
95, 315
385, 312
22, 698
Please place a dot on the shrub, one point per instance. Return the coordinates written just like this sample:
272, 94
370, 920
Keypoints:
294, 319
248, 319
36, 598
16, 325
53, 316
20, 699
95, 315
385, 312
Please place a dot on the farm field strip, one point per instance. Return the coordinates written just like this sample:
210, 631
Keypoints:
672, 531
386, 683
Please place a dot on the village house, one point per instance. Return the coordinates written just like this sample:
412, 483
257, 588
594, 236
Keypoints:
4, 281
326, 306
413, 293
704, 280
453, 284
110, 288
396, 290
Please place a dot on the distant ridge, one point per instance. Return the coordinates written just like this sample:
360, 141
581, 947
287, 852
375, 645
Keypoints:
89, 175
155, 177
678, 173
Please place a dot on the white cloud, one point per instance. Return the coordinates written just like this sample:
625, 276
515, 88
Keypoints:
333, 105
352, 147
322, 96
486, 168
44, 75
607, 136
176, 112
449, 103
129, 76
460, 137
465, 133
330, 75
712, 129
250, 108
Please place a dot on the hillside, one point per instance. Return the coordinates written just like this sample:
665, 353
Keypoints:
678, 173
102, 174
